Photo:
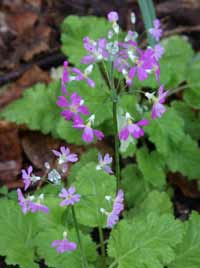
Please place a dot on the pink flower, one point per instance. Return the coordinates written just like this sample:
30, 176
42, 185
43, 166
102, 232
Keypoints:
84, 75
133, 129
88, 132
74, 107
64, 245
97, 50
29, 178
27, 204
158, 51
156, 32
118, 207
104, 163
69, 196
64, 157
113, 16
158, 108
145, 65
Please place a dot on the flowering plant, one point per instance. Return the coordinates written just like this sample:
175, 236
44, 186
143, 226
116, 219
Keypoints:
107, 215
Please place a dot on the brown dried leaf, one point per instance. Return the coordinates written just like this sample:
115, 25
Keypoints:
10, 151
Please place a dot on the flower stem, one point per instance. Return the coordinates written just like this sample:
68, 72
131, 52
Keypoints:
116, 139
103, 252
115, 125
84, 261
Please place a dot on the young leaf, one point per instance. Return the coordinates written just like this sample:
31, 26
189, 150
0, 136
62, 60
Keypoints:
147, 241
17, 232
133, 179
187, 253
152, 167
93, 185
68, 259
75, 28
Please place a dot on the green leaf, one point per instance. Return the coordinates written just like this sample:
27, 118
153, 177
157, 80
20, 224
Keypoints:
69, 259
158, 202
147, 241
93, 185
152, 167
38, 110
75, 28
90, 156
190, 117
17, 232
174, 64
94, 97
185, 158
133, 184
187, 253
192, 94
166, 131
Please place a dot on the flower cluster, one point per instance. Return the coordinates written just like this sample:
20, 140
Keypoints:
130, 61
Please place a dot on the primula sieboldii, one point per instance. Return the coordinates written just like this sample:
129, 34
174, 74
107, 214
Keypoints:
104, 163
133, 129
88, 132
97, 50
158, 109
69, 196
84, 75
64, 245
118, 207
156, 31
31, 203
73, 108
28, 177
65, 157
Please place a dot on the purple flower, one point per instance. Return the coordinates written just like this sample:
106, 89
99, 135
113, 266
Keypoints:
156, 32
65, 77
29, 178
38, 206
145, 65
27, 204
75, 106
97, 50
133, 129
64, 156
84, 76
158, 108
24, 203
113, 16
64, 245
118, 207
158, 51
88, 132
104, 163
69, 196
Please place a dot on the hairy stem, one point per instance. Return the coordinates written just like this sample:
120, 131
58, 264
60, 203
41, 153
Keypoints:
84, 261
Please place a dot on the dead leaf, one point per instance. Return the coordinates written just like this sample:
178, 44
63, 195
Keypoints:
29, 78
10, 151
